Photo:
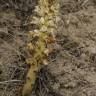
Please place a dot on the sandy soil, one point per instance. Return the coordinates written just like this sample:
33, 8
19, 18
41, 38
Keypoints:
72, 69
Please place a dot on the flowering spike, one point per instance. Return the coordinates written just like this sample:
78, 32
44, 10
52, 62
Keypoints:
47, 11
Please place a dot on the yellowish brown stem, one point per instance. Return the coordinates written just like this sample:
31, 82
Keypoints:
47, 11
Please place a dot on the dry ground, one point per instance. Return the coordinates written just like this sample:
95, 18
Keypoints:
72, 69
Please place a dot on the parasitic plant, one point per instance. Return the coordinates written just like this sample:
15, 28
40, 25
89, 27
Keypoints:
46, 19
